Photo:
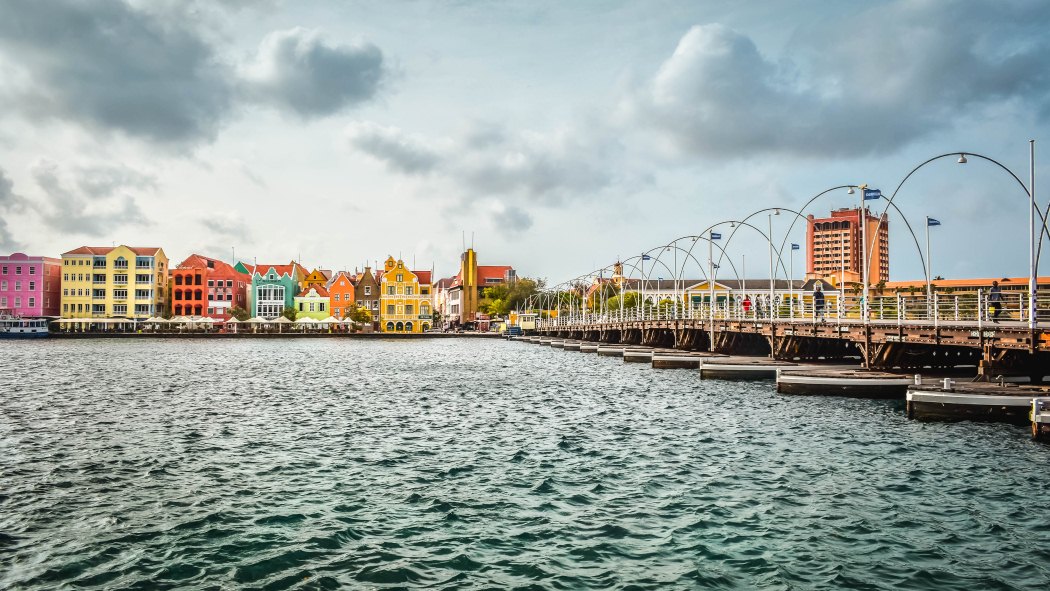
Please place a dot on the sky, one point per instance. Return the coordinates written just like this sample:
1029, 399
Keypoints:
556, 137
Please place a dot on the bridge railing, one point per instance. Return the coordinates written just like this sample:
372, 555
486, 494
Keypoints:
950, 308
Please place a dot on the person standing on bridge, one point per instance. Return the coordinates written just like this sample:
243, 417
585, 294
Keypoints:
995, 301
818, 303
747, 306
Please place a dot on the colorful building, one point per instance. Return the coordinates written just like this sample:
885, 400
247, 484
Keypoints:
341, 289
462, 297
313, 302
318, 277
833, 247
30, 286
274, 288
203, 286
114, 282
404, 308
366, 293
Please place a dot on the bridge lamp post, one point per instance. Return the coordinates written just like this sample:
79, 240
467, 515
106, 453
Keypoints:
772, 296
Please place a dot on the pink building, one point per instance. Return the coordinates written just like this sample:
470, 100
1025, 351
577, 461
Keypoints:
30, 286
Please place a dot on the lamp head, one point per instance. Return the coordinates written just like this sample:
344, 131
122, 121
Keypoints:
962, 159
776, 211
850, 191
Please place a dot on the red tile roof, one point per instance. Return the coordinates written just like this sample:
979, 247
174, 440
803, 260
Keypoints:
423, 276
195, 261
492, 272
104, 250
288, 269
320, 291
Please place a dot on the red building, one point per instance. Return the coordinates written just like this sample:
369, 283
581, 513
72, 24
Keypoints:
833, 247
203, 286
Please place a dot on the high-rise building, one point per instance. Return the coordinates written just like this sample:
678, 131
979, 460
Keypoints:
833, 247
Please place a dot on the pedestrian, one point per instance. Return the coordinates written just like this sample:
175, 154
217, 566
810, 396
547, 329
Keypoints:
747, 305
818, 303
759, 313
995, 301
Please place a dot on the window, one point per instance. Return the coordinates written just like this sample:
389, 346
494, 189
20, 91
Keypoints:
375, 304
143, 309
391, 290
409, 290
143, 262
98, 309
409, 310
320, 307
358, 303
120, 263
32, 285
5, 269
390, 309
120, 294
120, 309
229, 282
3, 285
336, 298
120, 279
18, 270
3, 302
211, 283
399, 278
311, 307
18, 286
368, 290
32, 271
98, 278
229, 297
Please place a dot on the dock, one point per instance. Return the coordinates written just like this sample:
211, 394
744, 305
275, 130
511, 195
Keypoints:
842, 381
742, 368
948, 400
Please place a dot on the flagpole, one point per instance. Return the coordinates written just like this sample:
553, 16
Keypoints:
791, 284
929, 265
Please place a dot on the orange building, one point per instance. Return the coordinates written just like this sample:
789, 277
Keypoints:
833, 247
341, 289
317, 278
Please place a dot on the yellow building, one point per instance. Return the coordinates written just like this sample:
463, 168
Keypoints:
114, 282
404, 300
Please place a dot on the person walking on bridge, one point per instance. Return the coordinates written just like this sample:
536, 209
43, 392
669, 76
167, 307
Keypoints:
995, 301
818, 303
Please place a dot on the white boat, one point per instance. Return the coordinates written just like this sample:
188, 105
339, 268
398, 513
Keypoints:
13, 327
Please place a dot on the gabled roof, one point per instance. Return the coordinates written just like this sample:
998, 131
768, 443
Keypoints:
423, 276
336, 277
289, 269
321, 292
444, 283
104, 250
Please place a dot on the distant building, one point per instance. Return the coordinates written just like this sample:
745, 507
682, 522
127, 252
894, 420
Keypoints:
833, 247
405, 305
318, 277
203, 286
341, 289
274, 288
366, 293
114, 282
30, 286
313, 302
468, 286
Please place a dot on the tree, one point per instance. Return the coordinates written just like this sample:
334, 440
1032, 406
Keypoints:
360, 314
240, 313
880, 287
630, 301
499, 300
289, 313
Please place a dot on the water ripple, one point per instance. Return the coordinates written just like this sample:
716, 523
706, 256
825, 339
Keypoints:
325, 464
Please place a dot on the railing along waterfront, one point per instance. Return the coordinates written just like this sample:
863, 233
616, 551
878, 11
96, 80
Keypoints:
964, 308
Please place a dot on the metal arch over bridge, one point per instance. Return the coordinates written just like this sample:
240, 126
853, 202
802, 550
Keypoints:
933, 330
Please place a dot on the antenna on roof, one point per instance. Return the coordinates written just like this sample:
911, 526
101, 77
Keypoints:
472, 241
464, 237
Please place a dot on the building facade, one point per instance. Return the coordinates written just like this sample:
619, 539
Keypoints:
274, 288
203, 286
366, 293
404, 307
341, 290
313, 302
114, 282
467, 288
30, 286
833, 247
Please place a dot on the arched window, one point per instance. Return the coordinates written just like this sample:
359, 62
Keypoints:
400, 327
389, 326
178, 280
426, 327
408, 327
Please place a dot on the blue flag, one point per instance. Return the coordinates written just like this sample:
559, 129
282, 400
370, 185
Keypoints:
794, 246
646, 257
932, 222
870, 194
716, 236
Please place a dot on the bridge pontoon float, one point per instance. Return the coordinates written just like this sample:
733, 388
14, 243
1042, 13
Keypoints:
1041, 419
741, 368
855, 383
947, 400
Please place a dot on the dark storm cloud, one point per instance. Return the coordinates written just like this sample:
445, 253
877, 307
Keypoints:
9, 202
913, 69
296, 70
395, 149
110, 66
513, 219
68, 211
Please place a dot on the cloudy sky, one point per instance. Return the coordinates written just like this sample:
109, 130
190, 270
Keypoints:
561, 135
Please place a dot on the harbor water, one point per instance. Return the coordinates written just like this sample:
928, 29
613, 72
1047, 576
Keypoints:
348, 463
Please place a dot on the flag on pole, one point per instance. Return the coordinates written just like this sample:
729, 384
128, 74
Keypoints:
646, 257
870, 194
795, 246
932, 222
716, 236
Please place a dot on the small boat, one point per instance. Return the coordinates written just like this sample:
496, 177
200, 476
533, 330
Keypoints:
14, 327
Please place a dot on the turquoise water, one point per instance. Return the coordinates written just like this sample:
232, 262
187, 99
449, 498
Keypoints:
323, 464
